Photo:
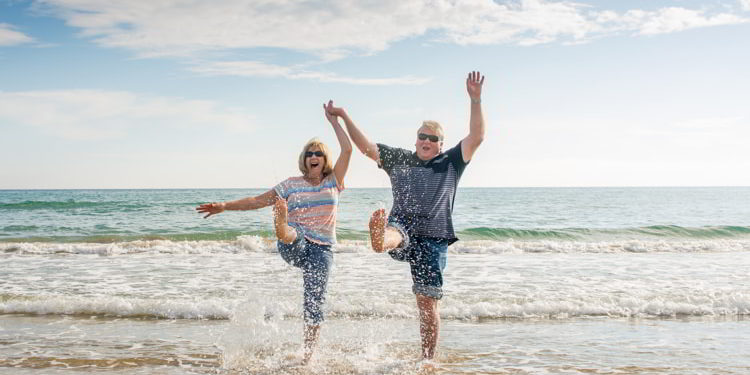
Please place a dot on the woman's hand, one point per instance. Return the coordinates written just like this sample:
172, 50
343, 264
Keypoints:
333, 113
211, 208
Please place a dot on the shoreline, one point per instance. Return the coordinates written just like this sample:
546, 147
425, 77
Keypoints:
361, 347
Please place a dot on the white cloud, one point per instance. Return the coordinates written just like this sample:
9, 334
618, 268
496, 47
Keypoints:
526, 22
173, 27
335, 29
745, 5
328, 30
11, 37
259, 69
97, 114
670, 20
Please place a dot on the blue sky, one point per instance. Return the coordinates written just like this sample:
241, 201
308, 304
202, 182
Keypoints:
200, 94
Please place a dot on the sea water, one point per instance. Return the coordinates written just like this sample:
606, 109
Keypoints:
543, 281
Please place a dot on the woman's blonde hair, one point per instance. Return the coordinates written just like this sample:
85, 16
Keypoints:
434, 126
327, 167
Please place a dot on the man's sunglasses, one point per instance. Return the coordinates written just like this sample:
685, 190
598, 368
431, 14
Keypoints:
432, 138
309, 154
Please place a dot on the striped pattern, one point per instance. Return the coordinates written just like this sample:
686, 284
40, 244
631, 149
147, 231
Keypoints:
424, 191
312, 207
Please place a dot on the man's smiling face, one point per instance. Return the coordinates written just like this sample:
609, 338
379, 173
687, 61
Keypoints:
427, 149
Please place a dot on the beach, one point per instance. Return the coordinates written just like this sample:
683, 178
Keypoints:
543, 281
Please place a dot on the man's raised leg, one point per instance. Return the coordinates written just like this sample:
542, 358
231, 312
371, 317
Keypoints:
284, 232
429, 324
383, 237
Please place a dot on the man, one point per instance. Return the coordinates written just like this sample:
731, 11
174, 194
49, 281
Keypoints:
419, 227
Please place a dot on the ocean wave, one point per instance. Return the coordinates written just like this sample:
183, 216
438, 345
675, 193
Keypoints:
20, 228
736, 304
653, 231
253, 243
626, 246
241, 244
725, 304
104, 234
108, 238
53, 205
115, 307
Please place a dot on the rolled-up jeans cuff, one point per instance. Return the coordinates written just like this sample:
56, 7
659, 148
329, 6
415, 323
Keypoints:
435, 292
313, 320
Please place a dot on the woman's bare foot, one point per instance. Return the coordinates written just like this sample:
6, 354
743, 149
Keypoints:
377, 230
284, 232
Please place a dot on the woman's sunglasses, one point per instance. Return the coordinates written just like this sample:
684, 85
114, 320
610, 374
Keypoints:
309, 154
432, 138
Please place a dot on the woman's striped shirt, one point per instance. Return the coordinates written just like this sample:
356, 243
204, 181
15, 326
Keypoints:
312, 207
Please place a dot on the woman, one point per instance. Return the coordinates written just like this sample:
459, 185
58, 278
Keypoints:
305, 218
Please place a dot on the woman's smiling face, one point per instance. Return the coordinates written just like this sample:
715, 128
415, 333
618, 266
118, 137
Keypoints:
315, 163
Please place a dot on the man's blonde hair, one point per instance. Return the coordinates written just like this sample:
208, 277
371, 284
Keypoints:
327, 166
434, 126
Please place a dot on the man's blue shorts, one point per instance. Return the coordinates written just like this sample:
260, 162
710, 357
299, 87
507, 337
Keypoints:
315, 260
426, 257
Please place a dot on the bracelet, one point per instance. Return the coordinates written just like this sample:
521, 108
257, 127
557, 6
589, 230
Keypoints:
476, 100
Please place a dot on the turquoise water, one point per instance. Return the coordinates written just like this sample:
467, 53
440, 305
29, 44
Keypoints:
543, 281
490, 214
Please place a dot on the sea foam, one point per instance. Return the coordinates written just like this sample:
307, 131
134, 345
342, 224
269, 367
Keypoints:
245, 244
456, 307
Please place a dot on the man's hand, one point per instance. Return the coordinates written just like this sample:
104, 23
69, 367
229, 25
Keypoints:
474, 86
333, 113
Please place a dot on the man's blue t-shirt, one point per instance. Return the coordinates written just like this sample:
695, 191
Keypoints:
424, 191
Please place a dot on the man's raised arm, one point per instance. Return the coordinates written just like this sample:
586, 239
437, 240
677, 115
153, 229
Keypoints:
476, 122
364, 145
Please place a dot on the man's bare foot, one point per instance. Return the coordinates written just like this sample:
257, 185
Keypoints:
283, 231
427, 366
307, 356
377, 230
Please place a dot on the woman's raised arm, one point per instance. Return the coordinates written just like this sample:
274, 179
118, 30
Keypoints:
342, 163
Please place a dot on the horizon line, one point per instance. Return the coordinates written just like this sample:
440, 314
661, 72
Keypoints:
382, 187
